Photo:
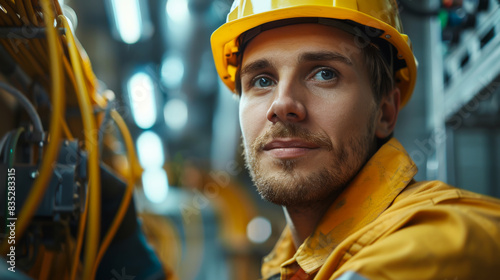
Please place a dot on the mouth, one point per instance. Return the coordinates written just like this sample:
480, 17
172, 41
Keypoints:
289, 148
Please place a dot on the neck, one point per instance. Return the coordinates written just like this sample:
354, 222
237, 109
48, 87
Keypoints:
302, 221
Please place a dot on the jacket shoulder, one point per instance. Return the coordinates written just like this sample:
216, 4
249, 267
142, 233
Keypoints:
437, 192
431, 231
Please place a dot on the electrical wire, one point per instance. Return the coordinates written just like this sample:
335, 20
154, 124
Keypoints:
48, 258
66, 130
57, 7
93, 232
13, 146
83, 83
102, 127
89, 74
69, 248
31, 12
41, 182
66, 253
3, 142
5, 148
6, 139
40, 51
135, 166
33, 114
127, 196
99, 100
15, 21
28, 51
11, 12
17, 45
123, 205
37, 47
22, 12
79, 240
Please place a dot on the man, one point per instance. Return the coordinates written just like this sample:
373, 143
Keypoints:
321, 84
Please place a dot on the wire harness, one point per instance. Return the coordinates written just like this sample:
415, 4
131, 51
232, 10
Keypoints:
38, 38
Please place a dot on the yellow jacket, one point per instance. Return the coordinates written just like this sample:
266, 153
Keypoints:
387, 226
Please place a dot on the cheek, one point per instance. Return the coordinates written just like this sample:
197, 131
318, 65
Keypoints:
346, 105
252, 120
343, 119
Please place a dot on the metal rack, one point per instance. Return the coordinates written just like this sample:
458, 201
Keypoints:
465, 108
474, 64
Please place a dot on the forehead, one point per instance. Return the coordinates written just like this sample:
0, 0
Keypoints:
294, 39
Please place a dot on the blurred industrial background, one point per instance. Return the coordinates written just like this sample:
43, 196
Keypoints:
198, 208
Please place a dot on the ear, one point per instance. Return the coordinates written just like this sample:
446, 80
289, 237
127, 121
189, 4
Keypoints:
388, 114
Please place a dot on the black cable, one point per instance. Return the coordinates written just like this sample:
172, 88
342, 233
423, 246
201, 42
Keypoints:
35, 118
3, 141
13, 145
10, 151
5, 146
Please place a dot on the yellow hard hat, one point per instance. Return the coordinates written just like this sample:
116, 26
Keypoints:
381, 15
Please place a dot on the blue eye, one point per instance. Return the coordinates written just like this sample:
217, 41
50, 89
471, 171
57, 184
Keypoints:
263, 82
325, 75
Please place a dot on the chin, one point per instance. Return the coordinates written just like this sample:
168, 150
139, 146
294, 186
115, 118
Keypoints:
291, 188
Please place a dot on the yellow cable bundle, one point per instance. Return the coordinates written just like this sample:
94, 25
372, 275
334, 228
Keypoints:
82, 80
89, 124
16, 45
127, 196
41, 183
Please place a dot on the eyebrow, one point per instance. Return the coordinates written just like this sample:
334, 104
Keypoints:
325, 56
255, 66
305, 57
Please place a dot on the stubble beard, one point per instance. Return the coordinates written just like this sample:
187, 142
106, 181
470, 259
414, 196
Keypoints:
288, 187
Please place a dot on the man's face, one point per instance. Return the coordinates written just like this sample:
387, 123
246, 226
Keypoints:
307, 112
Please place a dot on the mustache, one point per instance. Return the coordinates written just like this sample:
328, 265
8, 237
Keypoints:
290, 130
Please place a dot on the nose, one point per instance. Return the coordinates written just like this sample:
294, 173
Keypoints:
287, 105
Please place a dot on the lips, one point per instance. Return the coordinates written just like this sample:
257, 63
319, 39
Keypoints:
289, 148
284, 144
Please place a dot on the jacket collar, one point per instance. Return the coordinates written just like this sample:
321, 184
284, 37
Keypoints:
375, 187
